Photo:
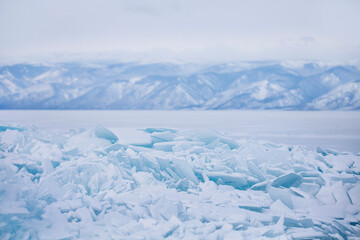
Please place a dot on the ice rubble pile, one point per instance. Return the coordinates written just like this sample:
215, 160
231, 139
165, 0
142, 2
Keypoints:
181, 184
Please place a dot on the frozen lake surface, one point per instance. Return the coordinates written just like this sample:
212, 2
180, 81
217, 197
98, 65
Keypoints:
136, 177
338, 130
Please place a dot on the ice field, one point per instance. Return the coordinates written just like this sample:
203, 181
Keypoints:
338, 130
158, 175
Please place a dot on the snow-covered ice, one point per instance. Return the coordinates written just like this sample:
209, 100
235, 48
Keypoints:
328, 129
178, 184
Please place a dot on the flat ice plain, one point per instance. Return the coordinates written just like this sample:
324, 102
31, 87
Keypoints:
179, 175
338, 130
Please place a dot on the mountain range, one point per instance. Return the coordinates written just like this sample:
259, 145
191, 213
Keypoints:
250, 85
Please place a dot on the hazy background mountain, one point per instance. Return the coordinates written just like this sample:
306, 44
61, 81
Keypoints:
246, 85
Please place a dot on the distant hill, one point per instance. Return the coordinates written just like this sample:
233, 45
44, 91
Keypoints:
261, 85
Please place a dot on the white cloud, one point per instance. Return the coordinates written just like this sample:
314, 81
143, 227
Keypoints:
186, 29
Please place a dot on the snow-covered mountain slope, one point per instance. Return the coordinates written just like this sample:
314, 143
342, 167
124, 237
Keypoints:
345, 96
170, 86
172, 184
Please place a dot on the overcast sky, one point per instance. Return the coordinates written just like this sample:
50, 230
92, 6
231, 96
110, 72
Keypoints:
189, 30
